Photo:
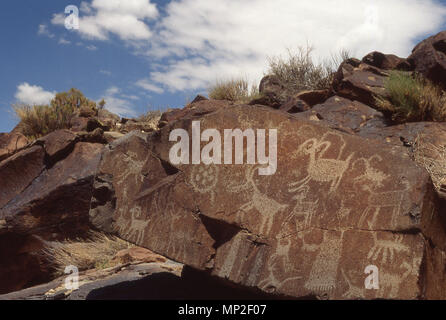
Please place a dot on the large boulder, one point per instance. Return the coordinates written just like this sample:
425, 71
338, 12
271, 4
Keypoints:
345, 115
359, 81
45, 195
386, 61
335, 205
429, 58
10, 143
56, 202
19, 171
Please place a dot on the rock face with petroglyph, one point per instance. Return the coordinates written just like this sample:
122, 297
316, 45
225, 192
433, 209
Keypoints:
335, 205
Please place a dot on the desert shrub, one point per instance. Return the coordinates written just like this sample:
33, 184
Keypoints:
39, 120
298, 71
95, 252
412, 98
433, 158
236, 89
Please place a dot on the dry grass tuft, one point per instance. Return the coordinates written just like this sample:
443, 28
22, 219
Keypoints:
412, 98
40, 120
151, 118
433, 158
236, 90
298, 72
95, 252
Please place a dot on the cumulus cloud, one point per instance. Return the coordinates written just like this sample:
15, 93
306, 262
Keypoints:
117, 103
203, 40
124, 18
33, 95
193, 43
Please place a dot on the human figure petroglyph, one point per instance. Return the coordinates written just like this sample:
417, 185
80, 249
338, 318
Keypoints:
303, 207
260, 202
387, 248
321, 169
323, 274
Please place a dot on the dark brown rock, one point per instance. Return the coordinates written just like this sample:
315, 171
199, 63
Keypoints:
386, 61
314, 97
345, 115
10, 143
196, 109
429, 58
294, 105
88, 111
335, 205
20, 265
272, 93
58, 144
19, 171
359, 81
56, 203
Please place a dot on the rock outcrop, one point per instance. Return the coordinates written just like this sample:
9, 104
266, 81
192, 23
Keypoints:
335, 205
429, 58
45, 196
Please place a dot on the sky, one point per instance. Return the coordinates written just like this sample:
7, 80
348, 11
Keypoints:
141, 55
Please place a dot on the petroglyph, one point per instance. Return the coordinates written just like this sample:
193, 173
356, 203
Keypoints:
267, 207
280, 267
323, 274
353, 291
387, 248
303, 208
204, 179
321, 169
380, 200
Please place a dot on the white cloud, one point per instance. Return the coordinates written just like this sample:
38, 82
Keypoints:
91, 47
146, 85
63, 41
117, 103
106, 72
33, 95
44, 31
124, 18
203, 40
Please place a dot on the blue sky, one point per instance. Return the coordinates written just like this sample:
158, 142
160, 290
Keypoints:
141, 54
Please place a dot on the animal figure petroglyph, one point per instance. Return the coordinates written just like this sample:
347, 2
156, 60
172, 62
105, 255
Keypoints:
264, 205
280, 264
323, 274
322, 169
137, 226
379, 200
387, 248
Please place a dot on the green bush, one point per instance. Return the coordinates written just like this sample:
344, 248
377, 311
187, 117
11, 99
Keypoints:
39, 120
412, 98
237, 90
